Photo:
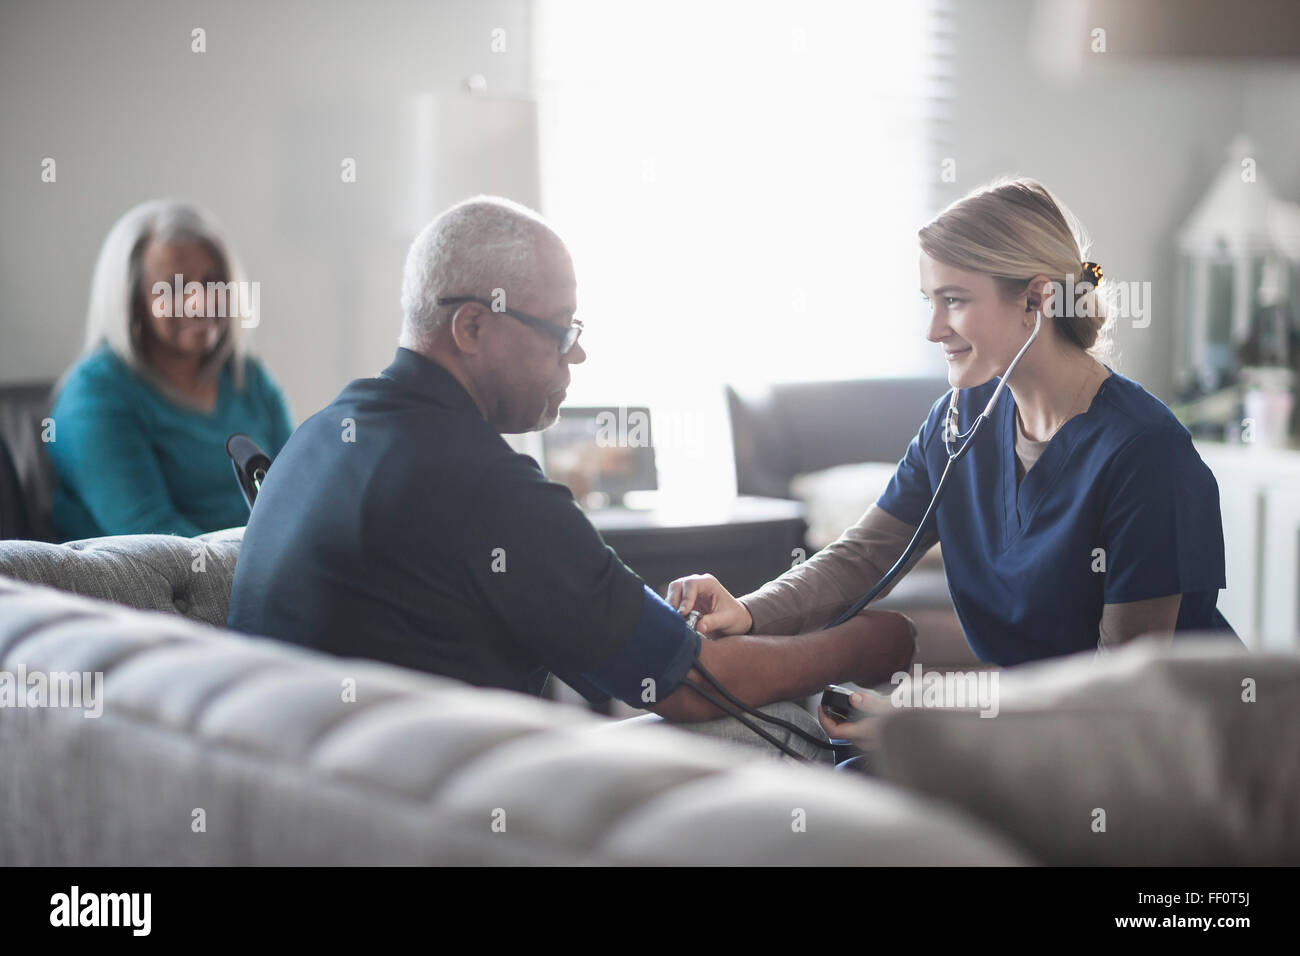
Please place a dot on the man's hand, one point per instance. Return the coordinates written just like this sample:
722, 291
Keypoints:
721, 614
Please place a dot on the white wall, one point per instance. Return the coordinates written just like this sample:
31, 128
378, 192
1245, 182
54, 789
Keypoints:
1129, 143
254, 129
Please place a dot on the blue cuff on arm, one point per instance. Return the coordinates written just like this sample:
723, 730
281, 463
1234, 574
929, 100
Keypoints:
660, 649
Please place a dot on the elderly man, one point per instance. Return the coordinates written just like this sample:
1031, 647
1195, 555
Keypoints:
398, 525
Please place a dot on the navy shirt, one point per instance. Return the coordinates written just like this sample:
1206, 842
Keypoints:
398, 525
1118, 508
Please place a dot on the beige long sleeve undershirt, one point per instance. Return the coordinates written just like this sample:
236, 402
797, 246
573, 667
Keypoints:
812, 594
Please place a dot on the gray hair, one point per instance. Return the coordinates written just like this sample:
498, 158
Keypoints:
114, 314
475, 247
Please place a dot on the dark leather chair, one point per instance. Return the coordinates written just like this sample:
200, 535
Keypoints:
801, 427
26, 475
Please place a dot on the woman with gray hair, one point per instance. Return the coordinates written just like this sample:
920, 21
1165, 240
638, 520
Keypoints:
142, 418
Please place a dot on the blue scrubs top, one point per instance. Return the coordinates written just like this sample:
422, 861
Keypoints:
1119, 507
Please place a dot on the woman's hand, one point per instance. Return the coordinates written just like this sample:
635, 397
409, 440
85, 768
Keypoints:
721, 614
864, 733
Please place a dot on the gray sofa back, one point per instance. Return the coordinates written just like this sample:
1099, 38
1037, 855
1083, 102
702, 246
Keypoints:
214, 748
150, 572
217, 748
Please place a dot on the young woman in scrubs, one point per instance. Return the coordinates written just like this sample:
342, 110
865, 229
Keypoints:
1081, 518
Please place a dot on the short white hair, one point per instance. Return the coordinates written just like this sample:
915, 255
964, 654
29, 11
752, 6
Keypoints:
475, 247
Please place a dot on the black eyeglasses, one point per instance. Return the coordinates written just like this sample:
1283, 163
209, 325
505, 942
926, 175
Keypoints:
565, 336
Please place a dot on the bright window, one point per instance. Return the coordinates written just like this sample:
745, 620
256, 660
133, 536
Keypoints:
741, 185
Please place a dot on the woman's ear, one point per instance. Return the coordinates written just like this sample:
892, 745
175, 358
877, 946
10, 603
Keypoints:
1040, 294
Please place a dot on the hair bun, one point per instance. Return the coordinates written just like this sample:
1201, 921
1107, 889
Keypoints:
1091, 273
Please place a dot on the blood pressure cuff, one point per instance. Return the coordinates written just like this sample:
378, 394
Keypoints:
649, 665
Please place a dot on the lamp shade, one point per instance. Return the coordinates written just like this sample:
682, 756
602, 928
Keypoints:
1233, 217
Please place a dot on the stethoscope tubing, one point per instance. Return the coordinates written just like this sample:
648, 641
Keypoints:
950, 430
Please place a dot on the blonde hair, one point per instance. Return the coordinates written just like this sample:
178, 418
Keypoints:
115, 313
1013, 230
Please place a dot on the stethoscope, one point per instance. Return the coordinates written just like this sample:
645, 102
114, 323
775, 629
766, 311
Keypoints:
950, 435
737, 708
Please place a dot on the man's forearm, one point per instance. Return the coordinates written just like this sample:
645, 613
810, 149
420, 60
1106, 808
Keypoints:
761, 669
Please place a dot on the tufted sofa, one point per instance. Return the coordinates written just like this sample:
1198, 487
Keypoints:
217, 748
151, 572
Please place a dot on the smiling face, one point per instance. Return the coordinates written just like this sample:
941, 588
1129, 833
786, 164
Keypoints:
166, 327
979, 330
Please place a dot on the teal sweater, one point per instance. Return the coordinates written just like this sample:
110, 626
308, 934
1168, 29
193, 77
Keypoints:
128, 460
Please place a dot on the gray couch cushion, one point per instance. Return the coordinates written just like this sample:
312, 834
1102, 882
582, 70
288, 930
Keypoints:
261, 741
1160, 739
151, 572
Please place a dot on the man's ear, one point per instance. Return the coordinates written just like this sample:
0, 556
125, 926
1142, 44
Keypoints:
467, 327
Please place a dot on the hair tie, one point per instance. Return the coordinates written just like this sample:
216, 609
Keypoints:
1091, 273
